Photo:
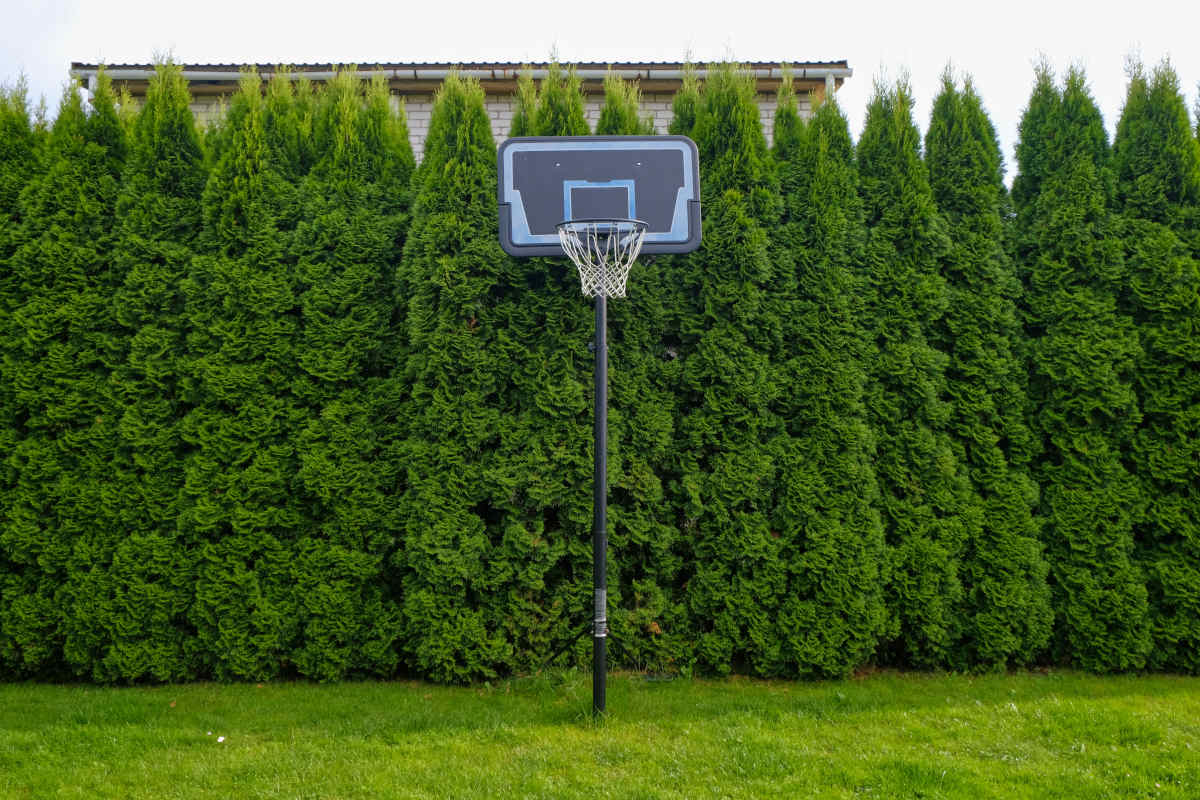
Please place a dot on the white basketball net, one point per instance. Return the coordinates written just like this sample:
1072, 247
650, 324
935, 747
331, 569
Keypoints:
603, 250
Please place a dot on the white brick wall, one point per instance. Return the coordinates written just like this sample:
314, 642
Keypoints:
658, 106
208, 111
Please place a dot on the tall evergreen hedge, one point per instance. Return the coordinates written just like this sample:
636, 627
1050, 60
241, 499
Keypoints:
273, 403
832, 613
560, 104
1083, 352
62, 431
288, 115
1007, 612
1157, 166
18, 148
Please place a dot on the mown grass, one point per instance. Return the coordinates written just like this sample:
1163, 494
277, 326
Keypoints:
1052, 735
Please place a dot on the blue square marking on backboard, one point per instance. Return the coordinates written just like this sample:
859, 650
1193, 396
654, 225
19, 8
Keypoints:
627, 185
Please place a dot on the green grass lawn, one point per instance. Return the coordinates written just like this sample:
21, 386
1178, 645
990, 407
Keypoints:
887, 735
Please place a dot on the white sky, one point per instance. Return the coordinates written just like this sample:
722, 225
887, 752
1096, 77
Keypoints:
996, 42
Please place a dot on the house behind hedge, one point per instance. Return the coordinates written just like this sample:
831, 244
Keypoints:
414, 84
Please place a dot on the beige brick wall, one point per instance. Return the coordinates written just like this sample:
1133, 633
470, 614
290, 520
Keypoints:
419, 107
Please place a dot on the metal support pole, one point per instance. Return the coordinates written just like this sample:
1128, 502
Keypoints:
600, 512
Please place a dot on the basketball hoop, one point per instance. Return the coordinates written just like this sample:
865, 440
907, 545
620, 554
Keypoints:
603, 250
599, 185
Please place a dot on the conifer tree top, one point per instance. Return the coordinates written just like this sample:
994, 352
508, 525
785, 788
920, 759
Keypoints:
237, 189
459, 132
787, 118
166, 150
524, 104
895, 181
16, 143
830, 123
1155, 157
560, 105
729, 136
621, 114
963, 153
1082, 131
69, 125
104, 123
685, 103
1033, 146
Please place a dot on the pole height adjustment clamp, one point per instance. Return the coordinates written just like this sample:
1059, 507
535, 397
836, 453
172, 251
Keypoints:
600, 622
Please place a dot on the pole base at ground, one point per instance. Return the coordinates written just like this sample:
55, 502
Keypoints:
599, 659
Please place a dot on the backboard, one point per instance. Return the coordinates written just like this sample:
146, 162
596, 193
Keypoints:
545, 180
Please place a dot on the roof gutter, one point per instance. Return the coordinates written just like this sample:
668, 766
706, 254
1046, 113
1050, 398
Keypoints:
826, 74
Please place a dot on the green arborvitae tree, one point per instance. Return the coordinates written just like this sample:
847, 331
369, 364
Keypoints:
832, 610
647, 620
654, 299
686, 103
524, 104
66, 435
141, 582
242, 507
17, 147
288, 113
390, 159
929, 509
547, 460
725, 317
392, 166
1007, 600
1082, 351
355, 205
1157, 166
621, 114
470, 570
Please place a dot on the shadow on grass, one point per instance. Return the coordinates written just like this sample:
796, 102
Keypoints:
888, 692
